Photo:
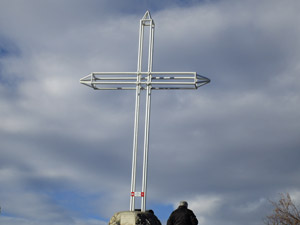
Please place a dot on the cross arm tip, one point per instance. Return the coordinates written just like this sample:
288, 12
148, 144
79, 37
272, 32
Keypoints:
201, 78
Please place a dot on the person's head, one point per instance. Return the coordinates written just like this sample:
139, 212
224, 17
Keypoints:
151, 211
183, 203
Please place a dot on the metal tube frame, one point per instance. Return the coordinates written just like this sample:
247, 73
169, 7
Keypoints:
143, 81
147, 116
130, 81
143, 23
136, 120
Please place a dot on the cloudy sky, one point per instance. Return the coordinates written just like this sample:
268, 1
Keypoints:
227, 148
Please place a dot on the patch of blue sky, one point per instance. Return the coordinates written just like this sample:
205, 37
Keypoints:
4, 213
162, 211
83, 205
8, 48
3, 52
10, 83
80, 204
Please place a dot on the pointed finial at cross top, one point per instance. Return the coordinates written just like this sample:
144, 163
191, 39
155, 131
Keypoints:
138, 81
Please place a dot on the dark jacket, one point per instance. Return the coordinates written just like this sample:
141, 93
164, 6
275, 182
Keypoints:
182, 216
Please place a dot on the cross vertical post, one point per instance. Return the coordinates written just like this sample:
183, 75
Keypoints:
145, 21
139, 81
147, 116
136, 118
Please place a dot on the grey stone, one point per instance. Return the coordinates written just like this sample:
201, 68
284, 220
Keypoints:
134, 218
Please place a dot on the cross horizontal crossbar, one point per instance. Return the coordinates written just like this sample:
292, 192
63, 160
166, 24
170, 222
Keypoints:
156, 80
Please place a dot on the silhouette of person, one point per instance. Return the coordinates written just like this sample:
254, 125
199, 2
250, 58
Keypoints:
182, 216
157, 221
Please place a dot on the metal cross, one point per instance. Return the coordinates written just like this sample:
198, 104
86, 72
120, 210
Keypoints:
143, 81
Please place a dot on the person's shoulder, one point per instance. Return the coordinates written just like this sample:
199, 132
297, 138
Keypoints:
176, 210
190, 211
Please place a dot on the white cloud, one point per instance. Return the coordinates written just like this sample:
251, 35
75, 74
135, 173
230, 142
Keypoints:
252, 206
205, 204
